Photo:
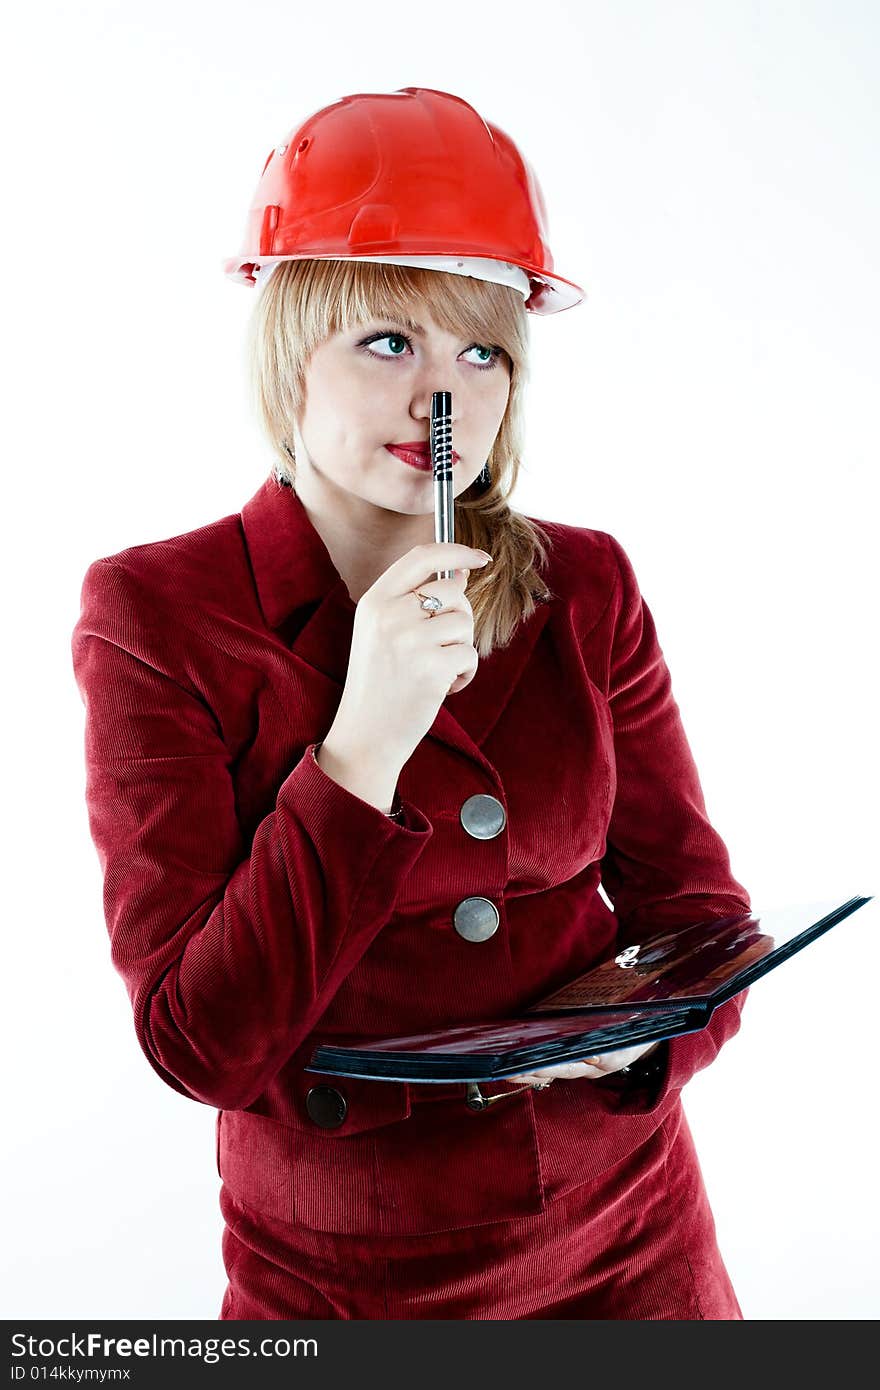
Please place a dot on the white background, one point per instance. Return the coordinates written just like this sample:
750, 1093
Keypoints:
711, 179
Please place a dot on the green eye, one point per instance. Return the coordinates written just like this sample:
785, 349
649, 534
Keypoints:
399, 342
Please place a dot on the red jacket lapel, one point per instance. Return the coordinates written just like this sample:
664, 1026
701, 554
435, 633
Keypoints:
303, 596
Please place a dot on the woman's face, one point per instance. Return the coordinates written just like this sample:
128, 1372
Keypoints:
372, 386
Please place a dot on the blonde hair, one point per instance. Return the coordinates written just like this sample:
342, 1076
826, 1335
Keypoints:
307, 301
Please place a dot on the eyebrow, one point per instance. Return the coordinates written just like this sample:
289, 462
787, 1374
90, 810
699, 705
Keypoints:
407, 322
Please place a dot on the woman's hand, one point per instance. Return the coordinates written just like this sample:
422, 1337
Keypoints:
404, 661
593, 1068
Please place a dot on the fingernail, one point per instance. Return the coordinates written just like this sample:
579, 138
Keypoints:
486, 555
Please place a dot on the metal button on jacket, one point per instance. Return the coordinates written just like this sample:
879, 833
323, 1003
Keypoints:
476, 919
326, 1106
483, 817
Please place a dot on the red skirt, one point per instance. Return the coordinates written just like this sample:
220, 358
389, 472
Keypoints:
637, 1243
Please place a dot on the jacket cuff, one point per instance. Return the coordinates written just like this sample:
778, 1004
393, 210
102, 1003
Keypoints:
328, 797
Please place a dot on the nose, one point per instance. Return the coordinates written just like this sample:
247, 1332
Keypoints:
423, 390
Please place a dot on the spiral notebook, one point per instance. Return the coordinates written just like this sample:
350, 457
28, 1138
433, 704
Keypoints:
665, 985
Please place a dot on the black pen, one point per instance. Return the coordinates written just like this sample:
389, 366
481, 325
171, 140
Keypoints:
441, 459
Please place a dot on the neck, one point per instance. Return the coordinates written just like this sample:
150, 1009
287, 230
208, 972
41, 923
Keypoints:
361, 538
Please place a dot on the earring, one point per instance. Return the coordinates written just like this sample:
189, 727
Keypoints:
483, 480
282, 475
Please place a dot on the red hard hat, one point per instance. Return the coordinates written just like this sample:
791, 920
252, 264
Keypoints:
412, 176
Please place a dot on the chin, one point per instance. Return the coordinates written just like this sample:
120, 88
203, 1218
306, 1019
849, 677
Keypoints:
417, 506
416, 509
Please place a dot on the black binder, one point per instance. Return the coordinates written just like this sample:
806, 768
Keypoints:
665, 985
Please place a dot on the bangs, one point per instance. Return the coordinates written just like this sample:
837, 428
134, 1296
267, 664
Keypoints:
338, 296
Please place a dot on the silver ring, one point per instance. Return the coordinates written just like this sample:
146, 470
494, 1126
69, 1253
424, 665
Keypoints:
429, 602
542, 1085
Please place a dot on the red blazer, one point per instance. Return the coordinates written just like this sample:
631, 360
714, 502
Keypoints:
256, 907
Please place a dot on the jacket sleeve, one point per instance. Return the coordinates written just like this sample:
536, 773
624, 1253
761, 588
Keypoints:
664, 865
230, 952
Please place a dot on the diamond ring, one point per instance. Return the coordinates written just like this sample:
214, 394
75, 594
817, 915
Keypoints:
430, 603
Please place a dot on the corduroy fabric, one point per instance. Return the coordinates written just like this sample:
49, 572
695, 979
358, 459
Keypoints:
637, 1243
256, 908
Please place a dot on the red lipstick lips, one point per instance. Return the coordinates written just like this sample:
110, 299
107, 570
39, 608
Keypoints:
416, 453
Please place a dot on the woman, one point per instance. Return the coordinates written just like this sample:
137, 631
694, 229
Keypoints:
335, 796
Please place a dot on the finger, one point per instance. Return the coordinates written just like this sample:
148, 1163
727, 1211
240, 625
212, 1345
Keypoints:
451, 592
452, 622
566, 1071
609, 1062
424, 562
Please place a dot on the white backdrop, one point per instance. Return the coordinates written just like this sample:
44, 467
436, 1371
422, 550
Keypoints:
711, 178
